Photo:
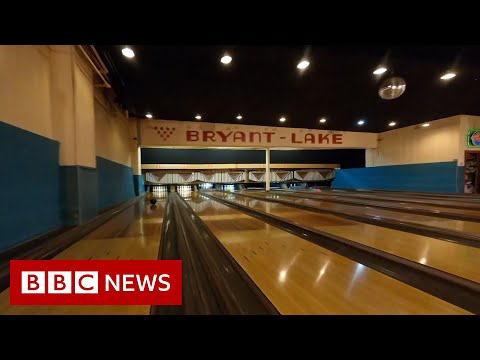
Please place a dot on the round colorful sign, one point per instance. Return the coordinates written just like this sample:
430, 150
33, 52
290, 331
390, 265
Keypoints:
473, 138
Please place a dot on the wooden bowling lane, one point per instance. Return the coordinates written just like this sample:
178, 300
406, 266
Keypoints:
428, 205
460, 260
469, 198
132, 234
300, 277
451, 224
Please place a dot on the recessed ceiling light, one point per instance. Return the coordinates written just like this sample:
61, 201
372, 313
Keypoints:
226, 59
361, 122
239, 117
302, 65
380, 70
127, 52
448, 76
282, 119
426, 125
323, 120
198, 117
392, 123
148, 115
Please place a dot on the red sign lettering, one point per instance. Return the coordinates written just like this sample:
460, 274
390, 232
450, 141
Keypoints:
192, 135
263, 137
337, 139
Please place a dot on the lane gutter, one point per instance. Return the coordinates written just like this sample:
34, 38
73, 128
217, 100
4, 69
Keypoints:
213, 281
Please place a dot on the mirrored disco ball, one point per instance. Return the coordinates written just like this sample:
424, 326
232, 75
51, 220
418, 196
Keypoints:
392, 88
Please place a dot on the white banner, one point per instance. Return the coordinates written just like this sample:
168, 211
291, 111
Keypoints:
200, 134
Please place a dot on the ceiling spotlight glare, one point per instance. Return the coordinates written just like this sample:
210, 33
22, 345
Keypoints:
239, 117
380, 70
127, 52
426, 125
448, 76
302, 65
392, 123
198, 117
361, 122
283, 119
226, 59
323, 120
148, 115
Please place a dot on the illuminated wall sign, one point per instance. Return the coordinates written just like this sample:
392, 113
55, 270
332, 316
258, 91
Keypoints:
473, 138
199, 134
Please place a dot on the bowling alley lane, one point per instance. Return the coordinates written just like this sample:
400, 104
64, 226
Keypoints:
460, 260
451, 224
300, 277
409, 204
464, 198
134, 234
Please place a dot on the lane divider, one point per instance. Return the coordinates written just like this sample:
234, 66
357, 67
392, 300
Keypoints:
213, 282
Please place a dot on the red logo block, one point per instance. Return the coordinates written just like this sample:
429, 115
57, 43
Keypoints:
95, 282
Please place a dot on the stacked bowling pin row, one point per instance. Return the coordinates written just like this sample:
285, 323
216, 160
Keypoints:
159, 189
184, 188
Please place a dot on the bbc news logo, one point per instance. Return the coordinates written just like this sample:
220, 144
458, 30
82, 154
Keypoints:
95, 282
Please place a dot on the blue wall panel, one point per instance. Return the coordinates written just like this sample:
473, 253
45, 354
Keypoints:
434, 177
78, 194
115, 183
29, 185
139, 184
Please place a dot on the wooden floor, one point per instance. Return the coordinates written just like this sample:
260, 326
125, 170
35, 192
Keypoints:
297, 276
302, 278
447, 256
413, 202
132, 235
459, 225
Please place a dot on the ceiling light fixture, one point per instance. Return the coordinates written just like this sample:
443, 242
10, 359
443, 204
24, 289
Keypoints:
283, 119
198, 117
361, 122
226, 59
426, 125
392, 123
148, 115
127, 52
323, 120
380, 70
302, 65
239, 117
449, 75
